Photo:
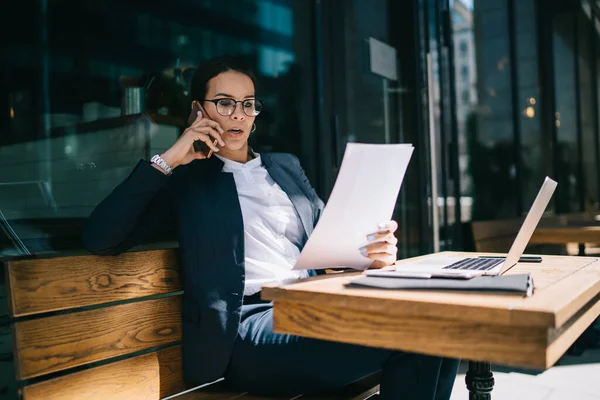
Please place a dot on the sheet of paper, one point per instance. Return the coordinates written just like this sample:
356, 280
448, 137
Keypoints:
364, 196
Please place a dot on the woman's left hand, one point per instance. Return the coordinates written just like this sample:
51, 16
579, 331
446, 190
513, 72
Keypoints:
381, 247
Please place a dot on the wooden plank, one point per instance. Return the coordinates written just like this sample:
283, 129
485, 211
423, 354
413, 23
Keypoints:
359, 390
146, 377
226, 395
500, 244
9, 297
203, 395
566, 234
502, 344
498, 235
568, 334
566, 296
496, 228
560, 290
51, 344
42, 285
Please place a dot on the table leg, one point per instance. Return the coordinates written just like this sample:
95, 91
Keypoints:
582, 249
480, 380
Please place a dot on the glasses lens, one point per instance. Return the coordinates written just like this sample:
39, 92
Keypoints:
225, 106
252, 107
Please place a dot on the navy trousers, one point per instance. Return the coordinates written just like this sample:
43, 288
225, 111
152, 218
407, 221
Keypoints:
268, 363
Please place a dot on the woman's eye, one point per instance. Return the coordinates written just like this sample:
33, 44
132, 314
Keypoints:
225, 102
248, 104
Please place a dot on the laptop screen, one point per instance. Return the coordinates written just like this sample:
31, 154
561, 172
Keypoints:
533, 218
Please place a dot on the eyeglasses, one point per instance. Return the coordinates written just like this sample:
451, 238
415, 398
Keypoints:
226, 107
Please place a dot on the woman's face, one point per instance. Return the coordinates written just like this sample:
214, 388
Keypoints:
237, 126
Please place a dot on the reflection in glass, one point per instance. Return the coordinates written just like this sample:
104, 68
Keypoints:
90, 96
590, 167
566, 112
488, 129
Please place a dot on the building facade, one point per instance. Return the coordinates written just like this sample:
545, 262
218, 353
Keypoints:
89, 88
514, 84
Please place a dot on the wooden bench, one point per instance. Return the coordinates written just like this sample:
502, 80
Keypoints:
496, 236
91, 327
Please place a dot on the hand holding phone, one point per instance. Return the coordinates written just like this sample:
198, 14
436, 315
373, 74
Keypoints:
198, 141
200, 145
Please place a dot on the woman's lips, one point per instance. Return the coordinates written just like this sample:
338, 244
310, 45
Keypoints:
235, 132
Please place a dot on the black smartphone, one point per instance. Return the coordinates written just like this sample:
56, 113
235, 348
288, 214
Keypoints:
531, 259
199, 145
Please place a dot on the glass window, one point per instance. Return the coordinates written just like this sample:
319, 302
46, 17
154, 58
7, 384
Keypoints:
596, 54
463, 48
587, 113
464, 71
490, 136
534, 157
466, 96
565, 113
94, 88
463, 31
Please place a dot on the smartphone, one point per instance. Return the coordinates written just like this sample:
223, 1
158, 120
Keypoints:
531, 259
199, 145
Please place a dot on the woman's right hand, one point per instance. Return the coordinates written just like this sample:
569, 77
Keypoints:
182, 152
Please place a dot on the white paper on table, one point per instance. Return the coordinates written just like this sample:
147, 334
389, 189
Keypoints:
364, 196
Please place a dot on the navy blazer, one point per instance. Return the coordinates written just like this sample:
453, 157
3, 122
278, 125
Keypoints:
202, 203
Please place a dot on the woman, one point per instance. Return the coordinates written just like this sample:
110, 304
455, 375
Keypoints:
241, 220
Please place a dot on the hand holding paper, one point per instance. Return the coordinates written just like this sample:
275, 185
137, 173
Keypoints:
382, 245
364, 195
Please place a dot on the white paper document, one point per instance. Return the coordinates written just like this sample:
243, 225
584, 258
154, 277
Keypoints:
364, 196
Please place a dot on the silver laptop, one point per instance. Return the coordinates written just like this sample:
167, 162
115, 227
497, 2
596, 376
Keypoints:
465, 268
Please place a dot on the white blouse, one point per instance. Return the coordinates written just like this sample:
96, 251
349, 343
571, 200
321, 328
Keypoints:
273, 232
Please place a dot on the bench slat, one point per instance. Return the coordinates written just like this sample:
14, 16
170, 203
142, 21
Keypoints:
201, 395
43, 285
359, 390
146, 377
496, 236
499, 244
51, 344
486, 230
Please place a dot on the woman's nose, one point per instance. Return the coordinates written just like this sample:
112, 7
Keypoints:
238, 113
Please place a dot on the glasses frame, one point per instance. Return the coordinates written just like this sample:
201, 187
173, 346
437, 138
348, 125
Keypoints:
216, 101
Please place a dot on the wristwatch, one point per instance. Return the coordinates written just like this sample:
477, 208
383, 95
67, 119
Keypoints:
162, 164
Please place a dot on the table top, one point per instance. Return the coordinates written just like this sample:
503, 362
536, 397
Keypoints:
566, 300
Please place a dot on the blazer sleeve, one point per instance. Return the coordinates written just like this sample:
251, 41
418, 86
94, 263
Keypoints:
135, 210
314, 198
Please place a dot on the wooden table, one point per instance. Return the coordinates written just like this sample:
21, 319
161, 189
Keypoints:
529, 332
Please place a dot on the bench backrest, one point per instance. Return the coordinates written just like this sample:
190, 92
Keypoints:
97, 327
497, 236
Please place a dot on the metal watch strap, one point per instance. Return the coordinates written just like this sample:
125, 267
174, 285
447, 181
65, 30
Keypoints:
162, 164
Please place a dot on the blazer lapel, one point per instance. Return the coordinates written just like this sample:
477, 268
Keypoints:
292, 189
225, 214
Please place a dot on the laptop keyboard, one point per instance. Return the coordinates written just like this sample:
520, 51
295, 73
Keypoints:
479, 264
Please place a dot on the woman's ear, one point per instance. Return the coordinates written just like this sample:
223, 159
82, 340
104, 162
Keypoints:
194, 112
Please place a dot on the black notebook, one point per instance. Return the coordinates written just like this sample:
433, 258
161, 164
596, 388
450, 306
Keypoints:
518, 284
